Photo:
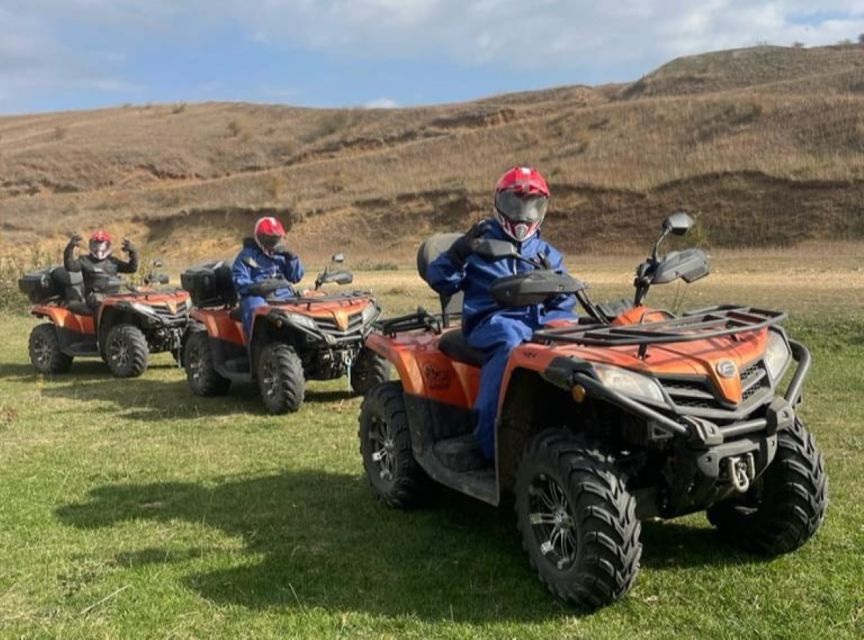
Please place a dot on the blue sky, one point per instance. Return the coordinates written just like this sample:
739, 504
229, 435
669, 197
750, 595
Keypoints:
77, 54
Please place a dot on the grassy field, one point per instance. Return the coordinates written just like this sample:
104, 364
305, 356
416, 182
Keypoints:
133, 509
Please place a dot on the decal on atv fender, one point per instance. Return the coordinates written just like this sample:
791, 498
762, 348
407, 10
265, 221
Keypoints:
436, 378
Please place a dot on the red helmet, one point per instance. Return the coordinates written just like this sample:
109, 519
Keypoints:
521, 199
100, 244
268, 233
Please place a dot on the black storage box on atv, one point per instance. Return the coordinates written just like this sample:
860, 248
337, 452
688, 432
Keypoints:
52, 284
210, 285
40, 286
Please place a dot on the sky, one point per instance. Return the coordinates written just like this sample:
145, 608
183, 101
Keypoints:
80, 54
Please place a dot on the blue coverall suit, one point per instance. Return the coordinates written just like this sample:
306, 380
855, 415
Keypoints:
253, 265
494, 330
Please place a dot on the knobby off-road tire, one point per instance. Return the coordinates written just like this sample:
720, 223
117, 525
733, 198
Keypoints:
786, 505
126, 351
368, 370
45, 353
201, 372
385, 446
280, 378
577, 520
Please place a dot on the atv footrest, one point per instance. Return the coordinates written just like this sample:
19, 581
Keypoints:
461, 453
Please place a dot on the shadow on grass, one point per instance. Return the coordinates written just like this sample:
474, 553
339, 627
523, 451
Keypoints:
153, 399
149, 399
330, 395
81, 370
320, 540
672, 545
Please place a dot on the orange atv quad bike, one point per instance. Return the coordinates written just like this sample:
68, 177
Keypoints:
123, 331
314, 336
631, 413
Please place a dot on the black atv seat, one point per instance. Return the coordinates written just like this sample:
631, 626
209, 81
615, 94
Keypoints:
71, 283
236, 314
455, 345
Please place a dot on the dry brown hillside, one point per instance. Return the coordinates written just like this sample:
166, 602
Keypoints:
764, 145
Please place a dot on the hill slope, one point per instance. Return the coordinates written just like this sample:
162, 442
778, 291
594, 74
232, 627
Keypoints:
764, 145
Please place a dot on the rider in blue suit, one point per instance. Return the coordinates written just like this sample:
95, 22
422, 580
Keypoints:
521, 198
263, 257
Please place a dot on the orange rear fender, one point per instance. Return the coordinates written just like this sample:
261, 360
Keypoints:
65, 319
427, 372
219, 325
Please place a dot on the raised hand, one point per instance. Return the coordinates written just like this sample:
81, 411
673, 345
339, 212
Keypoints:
283, 250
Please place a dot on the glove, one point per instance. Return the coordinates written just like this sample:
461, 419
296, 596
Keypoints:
127, 246
75, 240
464, 246
284, 251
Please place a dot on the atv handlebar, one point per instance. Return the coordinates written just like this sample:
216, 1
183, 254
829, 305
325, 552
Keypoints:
267, 287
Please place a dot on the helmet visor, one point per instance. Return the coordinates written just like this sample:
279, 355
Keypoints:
100, 249
522, 208
268, 242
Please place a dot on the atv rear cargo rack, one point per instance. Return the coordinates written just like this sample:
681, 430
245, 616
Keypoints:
712, 322
420, 320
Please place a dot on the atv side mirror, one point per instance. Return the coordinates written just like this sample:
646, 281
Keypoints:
158, 264
495, 249
338, 258
677, 224
341, 277
336, 277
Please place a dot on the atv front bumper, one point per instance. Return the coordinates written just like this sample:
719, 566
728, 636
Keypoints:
708, 461
699, 432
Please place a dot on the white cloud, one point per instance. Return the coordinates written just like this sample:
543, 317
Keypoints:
611, 40
553, 33
381, 103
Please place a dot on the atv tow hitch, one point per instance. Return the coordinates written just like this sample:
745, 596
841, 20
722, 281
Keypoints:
741, 470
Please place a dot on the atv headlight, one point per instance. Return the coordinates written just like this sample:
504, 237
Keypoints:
630, 383
370, 313
299, 320
777, 355
144, 309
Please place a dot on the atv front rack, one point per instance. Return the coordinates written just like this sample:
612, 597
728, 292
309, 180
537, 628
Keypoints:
713, 322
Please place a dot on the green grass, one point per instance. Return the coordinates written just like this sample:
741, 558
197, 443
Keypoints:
133, 509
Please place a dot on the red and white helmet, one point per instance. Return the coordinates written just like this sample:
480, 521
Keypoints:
100, 244
268, 233
521, 199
